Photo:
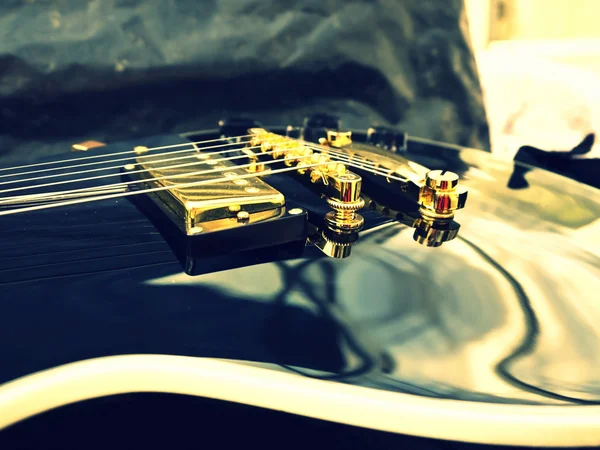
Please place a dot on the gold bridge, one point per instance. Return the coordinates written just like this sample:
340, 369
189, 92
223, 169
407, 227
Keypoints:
341, 187
435, 191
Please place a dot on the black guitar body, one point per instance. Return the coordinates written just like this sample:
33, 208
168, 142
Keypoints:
502, 317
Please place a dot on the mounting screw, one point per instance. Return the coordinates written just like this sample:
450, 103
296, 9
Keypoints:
295, 211
129, 166
243, 217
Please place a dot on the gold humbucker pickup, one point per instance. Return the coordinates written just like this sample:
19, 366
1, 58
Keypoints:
210, 205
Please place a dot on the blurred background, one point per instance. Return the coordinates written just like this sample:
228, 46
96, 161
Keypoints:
72, 70
539, 67
488, 74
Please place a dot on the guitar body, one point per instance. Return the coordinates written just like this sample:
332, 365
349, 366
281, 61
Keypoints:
492, 338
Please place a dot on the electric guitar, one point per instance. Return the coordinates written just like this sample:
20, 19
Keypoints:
364, 278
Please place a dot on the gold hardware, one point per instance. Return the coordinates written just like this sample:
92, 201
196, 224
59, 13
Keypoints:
296, 153
332, 248
210, 206
435, 191
344, 217
434, 232
341, 187
255, 165
440, 195
295, 211
140, 149
87, 145
338, 139
343, 223
344, 199
129, 166
429, 231
441, 179
243, 217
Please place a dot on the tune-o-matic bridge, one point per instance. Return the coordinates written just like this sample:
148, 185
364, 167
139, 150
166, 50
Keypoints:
436, 192
340, 187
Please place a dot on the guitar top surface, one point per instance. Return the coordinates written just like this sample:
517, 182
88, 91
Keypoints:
506, 313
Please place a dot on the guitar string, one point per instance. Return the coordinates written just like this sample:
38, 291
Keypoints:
364, 164
150, 190
195, 155
189, 150
53, 196
314, 146
56, 195
376, 166
351, 155
193, 150
98, 177
238, 138
344, 158
105, 155
189, 184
